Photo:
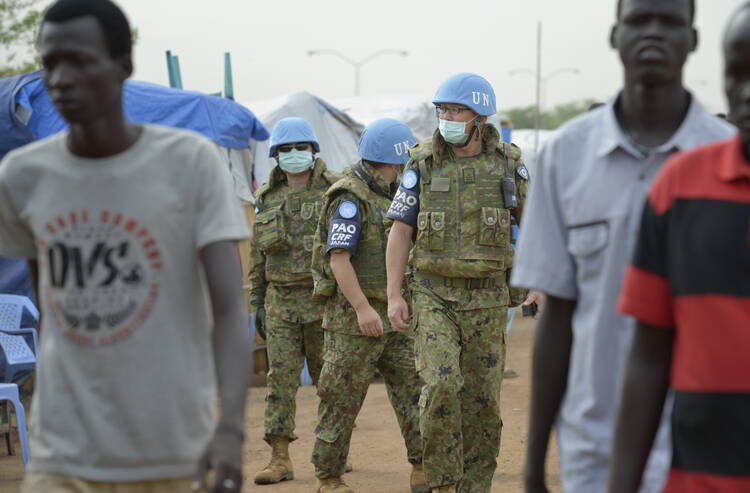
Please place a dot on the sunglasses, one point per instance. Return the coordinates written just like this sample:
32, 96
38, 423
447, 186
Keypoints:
300, 146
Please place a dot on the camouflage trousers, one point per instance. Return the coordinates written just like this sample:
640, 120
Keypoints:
349, 364
287, 344
461, 357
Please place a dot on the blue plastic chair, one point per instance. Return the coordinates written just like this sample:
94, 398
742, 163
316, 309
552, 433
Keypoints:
17, 315
13, 307
17, 360
9, 392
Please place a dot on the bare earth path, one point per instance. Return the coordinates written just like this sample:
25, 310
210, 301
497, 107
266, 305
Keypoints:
377, 450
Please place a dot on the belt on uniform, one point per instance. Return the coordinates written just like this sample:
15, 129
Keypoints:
458, 282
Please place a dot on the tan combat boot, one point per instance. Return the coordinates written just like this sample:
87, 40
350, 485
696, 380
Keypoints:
446, 488
280, 467
349, 466
417, 481
332, 485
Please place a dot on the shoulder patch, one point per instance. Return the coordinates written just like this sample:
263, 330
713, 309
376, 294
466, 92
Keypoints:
347, 209
523, 172
410, 179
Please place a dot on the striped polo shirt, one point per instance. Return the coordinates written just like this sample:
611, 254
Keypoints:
691, 274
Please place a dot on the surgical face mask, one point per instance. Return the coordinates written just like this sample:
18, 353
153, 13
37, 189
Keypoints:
453, 132
295, 161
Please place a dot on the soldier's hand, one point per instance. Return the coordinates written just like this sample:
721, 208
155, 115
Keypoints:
259, 318
538, 297
398, 313
369, 321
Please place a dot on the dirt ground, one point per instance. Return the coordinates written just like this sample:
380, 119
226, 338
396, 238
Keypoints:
377, 451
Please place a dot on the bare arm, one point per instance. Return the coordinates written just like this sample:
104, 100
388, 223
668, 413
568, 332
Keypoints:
396, 256
643, 394
232, 358
346, 278
552, 343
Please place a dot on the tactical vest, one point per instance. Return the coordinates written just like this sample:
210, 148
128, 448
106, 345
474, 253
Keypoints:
285, 225
369, 261
463, 226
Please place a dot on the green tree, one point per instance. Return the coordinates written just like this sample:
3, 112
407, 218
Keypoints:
18, 25
19, 20
524, 117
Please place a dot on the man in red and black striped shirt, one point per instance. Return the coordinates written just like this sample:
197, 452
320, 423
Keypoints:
689, 289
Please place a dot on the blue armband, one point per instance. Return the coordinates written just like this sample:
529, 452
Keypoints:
343, 232
405, 205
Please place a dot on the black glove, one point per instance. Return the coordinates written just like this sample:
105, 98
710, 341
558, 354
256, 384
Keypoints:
259, 318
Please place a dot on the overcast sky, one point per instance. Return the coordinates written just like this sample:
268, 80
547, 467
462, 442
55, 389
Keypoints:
269, 41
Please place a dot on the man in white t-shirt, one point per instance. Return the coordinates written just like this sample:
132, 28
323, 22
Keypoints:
132, 230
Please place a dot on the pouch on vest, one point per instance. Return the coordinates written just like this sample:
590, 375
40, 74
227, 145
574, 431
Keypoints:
270, 231
423, 230
493, 226
437, 230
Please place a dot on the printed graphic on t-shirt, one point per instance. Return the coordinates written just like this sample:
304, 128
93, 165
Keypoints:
101, 274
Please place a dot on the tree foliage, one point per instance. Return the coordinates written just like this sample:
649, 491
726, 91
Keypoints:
19, 21
18, 26
551, 119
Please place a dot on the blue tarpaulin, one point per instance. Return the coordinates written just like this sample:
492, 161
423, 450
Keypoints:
26, 112
14, 277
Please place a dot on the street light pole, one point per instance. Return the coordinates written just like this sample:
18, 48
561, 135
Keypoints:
357, 64
540, 81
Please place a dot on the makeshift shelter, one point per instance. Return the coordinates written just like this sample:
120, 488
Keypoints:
27, 114
337, 133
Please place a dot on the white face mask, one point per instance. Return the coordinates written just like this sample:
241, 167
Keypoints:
453, 132
295, 161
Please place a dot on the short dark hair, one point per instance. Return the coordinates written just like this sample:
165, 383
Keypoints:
111, 18
692, 10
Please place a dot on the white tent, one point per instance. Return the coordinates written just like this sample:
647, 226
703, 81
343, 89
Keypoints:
337, 133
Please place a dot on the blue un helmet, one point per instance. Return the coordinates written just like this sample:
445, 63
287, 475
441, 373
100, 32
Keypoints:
386, 141
467, 89
292, 129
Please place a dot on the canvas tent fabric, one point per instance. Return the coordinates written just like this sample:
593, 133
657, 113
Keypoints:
337, 133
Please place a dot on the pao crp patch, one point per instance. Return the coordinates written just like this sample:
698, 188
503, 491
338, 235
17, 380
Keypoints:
523, 172
405, 204
343, 232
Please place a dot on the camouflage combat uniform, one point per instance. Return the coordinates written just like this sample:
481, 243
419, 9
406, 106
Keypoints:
461, 260
280, 278
350, 358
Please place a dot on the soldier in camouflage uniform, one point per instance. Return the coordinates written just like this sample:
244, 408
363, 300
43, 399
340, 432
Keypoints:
349, 272
288, 207
456, 198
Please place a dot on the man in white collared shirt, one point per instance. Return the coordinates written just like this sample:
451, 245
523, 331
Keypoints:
581, 225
